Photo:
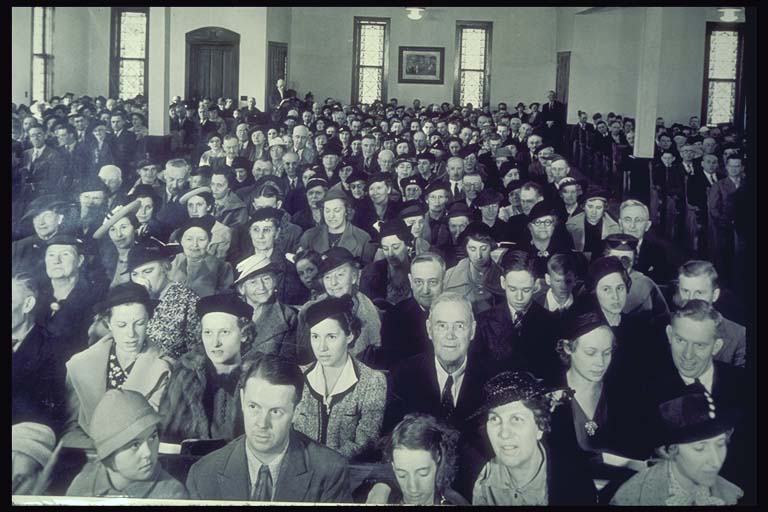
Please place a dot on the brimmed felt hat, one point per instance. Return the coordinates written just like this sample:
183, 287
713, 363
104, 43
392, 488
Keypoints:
92, 184
115, 215
327, 307
253, 266
119, 417
44, 203
694, 417
620, 242
508, 387
125, 293
148, 250
224, 303
64, 239
412, 209
277, 141
192, 193
595, 193
334, 258
513, 185
541, 209
488, 197
425, 156
316, 182
240, 162
336, 193
34, 440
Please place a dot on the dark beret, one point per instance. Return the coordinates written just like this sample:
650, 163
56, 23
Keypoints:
267, 213
328, 307
621, 242
437, 185
224, 303
240, 162
459, 209
412, 209
396, 227
412, 180
604, 266
357, 176
334, 258
541, 209
205, 223
124, 293
317, 182
595, 193
426, 156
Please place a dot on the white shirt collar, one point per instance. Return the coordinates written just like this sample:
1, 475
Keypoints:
706, 378
347, 379
553, 305
254, 464
458, 378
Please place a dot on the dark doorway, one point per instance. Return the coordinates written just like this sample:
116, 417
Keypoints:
213, 63
562, 77
277, 65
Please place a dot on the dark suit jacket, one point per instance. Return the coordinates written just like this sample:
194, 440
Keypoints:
698, 187
75, 165
45, 175
309, 472
365, 216
124, 150
556, 114
406, 316
413, 387
656, 261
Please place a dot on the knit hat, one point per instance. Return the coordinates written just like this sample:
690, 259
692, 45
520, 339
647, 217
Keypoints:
33, 439
118, 418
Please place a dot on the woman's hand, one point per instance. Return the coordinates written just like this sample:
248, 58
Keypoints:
379, 494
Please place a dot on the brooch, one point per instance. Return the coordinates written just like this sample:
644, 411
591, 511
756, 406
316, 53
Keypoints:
591, 428
55, 306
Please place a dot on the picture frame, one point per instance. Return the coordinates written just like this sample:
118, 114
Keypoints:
421, 65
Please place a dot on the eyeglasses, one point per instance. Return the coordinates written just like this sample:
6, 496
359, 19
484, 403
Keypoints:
630, 220
543, 222
456, 327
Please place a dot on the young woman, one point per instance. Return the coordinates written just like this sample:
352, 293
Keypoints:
214, 156
342, 405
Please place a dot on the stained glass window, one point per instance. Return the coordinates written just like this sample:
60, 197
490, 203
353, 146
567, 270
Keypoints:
130, 47
42, 53
472, 61
370, 59
721, 75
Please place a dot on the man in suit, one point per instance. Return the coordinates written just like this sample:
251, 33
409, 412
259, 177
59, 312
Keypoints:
123, 145
722, 214
176, 177
278, 94
301, 147
697, 190
43, 167
271, 462
580, 139
447, 381
653, 259
553, 114
519, 333
454, 174
75, 156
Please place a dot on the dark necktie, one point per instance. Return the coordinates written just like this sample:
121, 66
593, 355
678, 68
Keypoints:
262, 491
517, 321
446, 400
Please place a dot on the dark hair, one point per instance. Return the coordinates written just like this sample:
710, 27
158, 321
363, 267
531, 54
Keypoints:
562, 264
276, 370
419, 431
348, 321
205, 171
71, 130
516, 260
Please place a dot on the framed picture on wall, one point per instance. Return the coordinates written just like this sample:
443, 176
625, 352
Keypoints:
421, 65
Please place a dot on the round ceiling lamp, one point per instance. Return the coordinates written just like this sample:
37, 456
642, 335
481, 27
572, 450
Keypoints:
415, 13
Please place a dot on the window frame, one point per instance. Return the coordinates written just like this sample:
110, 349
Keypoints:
716, 26
488, 27
359, 21
46, 55
114, 51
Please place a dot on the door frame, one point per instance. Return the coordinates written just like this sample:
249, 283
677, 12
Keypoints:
562, 82
269, 84
213, 36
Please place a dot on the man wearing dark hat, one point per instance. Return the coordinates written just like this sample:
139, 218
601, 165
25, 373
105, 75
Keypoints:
387, 279
378, 206
519, 331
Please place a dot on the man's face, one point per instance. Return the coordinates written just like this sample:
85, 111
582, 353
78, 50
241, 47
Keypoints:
395, 251
734, 167
519, 287
455, 169
368, 146
634, 221
117, 123
268, 411
528, 198
451, 327
594, 209
513, 433
457, 225
693, 343
534, 141
570, 195
709, 163
667, 159
420, 140
426, 282
489, 212
428, 128
386, 159
315, 196
175, 177
514, 125
79, 122
261, 168
37, 137
472, 184
561, 285
148, 174
111, 179
465, 135
63, 137
263, 234
611, 293
559, 169
697, 287
379, 192
47, 223
91, 200
231, 148
339, 281
197, 207
62, 261
291, 164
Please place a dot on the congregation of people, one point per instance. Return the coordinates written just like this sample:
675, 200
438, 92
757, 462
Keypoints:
422, 304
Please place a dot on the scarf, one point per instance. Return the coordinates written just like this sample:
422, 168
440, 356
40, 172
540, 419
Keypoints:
701, 496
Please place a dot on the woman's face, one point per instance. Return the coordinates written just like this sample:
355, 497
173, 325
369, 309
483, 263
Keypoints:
128, 324
221, 337
194, 242
263, 234
335, 213
258, 137
271, 134
513, 433
512, 175
137, 460
389, 145
542, 228
416, 224
214, 143
612, 293
339, 281
146, 210
594, 209
329, 343
259, 288
402, 149
416, 471
700, 462
122, 233
307, 272
591, 354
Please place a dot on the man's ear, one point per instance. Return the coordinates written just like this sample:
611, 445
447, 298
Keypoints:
668, 330
536, 286
718, 345
279, 204
29, 304
715, 295
547, 280
80, 261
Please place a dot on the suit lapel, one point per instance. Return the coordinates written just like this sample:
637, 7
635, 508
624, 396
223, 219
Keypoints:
294, 478
233, 477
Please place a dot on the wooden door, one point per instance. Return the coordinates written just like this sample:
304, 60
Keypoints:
277, 65
562, 77
213, 56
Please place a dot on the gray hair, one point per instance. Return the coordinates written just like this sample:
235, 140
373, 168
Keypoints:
451, 297
429, 257
634, 202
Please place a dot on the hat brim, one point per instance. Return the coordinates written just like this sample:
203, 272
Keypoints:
713, 428
485, 408
114, 443
192, 193
37, 210
270, 267
128, 209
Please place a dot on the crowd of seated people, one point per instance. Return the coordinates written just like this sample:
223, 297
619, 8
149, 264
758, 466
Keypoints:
377, 303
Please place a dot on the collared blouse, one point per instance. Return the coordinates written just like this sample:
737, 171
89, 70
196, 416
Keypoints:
495, 486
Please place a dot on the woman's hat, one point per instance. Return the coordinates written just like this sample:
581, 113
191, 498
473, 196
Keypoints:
336, 193
205, 223
44, 203
604, 266
577, 325
412, 209
541, 209
396, 227
620, 242
316, 182
693, 417
334, 258
142, 190
34, 440
595, 193
277, 141
437, 185
508, 387
115, 215
194, 192
266, 213
325, 308
383, 177
119, 417
125, 293
224, 303
253, 266
487, 197
459, 209
413, 180
148, 250
357, 175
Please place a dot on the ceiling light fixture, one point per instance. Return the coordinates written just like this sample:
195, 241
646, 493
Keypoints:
729, 14
415, 13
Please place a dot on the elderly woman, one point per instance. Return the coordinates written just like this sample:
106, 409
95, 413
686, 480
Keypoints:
422, 455
524, 470
588, 229
202, 272
340, 275
215, 156
546, 239
123, 359
200, 204
275, 323
121, 225
337, 230
201, 401
342, 405
125, 432
257, 145
695, 444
